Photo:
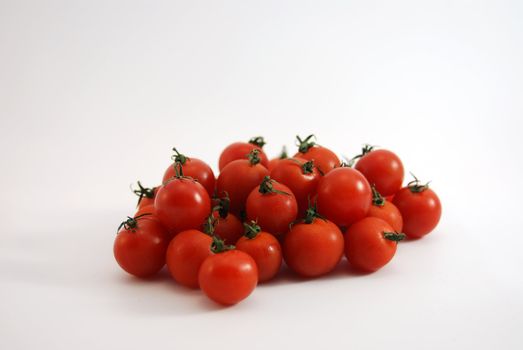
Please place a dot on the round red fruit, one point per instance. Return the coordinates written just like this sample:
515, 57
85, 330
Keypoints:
382, 168
240, 150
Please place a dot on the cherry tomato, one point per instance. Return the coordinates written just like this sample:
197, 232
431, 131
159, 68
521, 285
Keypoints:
324, 158
382, 168
301, 176
264, 248
185, 254
385, 210
272, 205
420, 208
194, 168
240, 150
226, 225
344, 196
275, 161
182, 204
228, 276
139, 247
238, 179
371, 243
314, 247
145, 195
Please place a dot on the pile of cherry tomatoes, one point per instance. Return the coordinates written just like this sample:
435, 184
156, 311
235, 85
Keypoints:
228, 233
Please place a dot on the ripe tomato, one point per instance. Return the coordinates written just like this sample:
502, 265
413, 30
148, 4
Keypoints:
324, 158
238, 179
226, 225
185, 255
275, 161
194, 168
273, 206
264, 248
420, 208
382, 168
385, 210
371, 243
145, 195
229, 275
314, 247
301, 176
182, 204
240, 150
344, 196
140, 245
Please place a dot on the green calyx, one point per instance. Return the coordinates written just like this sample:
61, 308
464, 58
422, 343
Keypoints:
254, 157
377, 198
267, 187
130, 223
143, 192
394, 236
209, 225
305, 144
219, 246
258, 141
223, 206
177, 157
251, 229
366, 149
283, 154
312, 213
415, 186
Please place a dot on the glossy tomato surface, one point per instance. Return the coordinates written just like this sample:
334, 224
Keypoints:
421, 211
389, 213
265, 249
198, 170
324, 158
383, 169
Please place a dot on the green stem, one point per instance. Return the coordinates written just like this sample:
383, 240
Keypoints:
219, 246
304, 145
254, 157
394, 236
416, 186
377, 198
252, 229
258, 141
177, 157
267, 187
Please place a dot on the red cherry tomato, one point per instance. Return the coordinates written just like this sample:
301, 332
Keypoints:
229, 276
324, 158
226, 225
420, 208
139, 247
273, 206
240, 150
301, 176
382, 169
182, 204
185, 255
371, 243
145, 195
313, 248
264, 248
344, 196
194, 168
238, 179
275, 161
385, 210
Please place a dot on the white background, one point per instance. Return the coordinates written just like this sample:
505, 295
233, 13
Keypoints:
93, 95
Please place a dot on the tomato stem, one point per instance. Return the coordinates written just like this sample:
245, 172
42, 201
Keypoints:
254, 157
258, 141
209, 225
366, 149
394, 236
131, 223
142, 192
177, 157
283, 153
267, 187
219, 246
377, 198
223, 205
251, 229
416, 186
312, 213
304, 145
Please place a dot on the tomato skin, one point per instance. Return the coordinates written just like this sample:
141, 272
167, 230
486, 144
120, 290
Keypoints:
196, 169
273, 163
365, 246
274, 212
383, 169
230, 228
228, 277
185, 255
312, 250
388, 213
266, 252
182, 204
238, 179
344, 196
240, 150
141, 252
324, 158
421, 211
289, 172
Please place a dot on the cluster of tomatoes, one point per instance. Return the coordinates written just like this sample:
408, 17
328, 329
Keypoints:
227, 234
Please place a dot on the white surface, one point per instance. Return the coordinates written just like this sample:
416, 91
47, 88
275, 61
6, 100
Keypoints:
94, 94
